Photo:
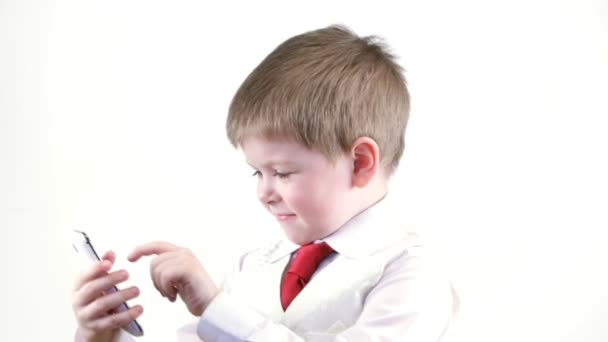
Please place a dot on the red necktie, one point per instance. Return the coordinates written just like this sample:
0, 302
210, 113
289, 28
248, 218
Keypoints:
301, 269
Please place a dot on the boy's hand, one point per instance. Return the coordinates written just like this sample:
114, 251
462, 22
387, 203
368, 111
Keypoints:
94, 310
175, 270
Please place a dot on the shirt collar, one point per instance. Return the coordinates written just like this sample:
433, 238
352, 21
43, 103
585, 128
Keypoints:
282, 249
373, 229
367, 232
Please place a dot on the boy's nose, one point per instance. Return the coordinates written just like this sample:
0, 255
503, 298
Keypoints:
266, 192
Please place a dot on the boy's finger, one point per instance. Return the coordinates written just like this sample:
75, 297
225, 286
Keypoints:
117, 320
91, 273
156, 271
92, 290
151, 248
110, 256
169, 280
102, 305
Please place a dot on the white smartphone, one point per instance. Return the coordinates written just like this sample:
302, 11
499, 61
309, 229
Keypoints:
83, 245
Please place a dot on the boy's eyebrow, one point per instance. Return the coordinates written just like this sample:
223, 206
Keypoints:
273, 163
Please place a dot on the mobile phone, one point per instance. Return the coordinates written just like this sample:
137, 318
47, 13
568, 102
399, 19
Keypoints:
83, 245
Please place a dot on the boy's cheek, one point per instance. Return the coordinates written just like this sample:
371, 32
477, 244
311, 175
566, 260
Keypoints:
300, 200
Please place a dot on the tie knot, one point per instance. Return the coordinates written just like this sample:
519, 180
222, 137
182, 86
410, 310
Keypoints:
308, 259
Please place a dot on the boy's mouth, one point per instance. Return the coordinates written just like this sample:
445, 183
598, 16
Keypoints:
284, 217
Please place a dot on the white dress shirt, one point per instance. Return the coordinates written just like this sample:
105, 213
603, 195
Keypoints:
378, 286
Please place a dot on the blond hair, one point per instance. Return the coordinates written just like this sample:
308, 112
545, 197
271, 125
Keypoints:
325, 89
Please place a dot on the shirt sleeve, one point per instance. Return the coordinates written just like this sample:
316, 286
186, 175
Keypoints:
122, 337
409, 303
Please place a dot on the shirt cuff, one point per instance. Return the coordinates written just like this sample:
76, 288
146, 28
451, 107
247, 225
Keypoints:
225, 319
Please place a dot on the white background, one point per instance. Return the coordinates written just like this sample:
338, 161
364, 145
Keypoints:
112, 120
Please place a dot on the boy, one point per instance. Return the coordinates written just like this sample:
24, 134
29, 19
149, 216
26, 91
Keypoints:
321, 120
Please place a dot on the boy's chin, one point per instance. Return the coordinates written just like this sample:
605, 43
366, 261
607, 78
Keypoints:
298, 239
305, 236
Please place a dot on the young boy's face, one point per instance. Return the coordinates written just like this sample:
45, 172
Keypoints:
300, 187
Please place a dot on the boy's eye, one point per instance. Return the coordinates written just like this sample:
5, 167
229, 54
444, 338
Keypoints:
282, 174
257, 174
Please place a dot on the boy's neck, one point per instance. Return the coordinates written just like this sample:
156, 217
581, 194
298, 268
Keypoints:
370, 195
362, 199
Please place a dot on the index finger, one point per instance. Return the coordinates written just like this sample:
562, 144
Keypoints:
151, 248
93, 272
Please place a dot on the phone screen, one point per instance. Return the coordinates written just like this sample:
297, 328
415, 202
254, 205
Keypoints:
83, 245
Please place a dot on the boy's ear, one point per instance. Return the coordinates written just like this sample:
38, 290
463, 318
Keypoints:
366, 161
